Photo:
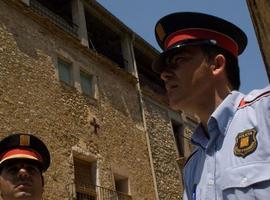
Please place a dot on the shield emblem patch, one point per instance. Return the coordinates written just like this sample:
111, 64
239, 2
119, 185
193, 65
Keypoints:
245, 143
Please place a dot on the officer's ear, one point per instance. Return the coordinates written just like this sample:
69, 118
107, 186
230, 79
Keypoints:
218, 64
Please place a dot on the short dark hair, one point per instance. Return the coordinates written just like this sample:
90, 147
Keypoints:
232, 66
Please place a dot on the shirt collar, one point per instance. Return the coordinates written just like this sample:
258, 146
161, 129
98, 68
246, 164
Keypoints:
199, 137
218, 121
224, 113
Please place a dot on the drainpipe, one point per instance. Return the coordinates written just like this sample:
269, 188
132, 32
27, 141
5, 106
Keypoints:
143, 116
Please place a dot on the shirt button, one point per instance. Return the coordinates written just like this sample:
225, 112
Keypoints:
211, 182
244, 180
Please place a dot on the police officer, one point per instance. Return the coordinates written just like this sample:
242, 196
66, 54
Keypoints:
199, 66
23, 159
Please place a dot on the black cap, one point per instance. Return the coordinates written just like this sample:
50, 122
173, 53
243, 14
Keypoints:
189, 28
24, 146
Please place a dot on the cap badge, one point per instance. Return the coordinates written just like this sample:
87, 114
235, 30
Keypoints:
245, 143
160, 32
24, 140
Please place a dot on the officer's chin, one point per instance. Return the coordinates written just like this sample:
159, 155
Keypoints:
22, 194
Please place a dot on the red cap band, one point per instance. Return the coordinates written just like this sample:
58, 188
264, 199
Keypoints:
21, 153
223, 41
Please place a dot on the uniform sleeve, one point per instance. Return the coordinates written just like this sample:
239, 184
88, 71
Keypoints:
258, 191
252, 182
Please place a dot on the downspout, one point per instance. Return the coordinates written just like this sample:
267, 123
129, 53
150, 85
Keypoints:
143, 117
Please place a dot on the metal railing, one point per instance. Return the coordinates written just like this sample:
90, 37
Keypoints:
94, 192
67, 26
86, 192
108, 194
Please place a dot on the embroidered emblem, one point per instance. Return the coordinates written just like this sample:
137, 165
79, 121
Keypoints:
160, 31
24, 140
245, 143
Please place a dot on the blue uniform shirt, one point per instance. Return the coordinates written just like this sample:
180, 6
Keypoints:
234, 162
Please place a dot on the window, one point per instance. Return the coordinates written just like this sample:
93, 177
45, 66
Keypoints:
85, 180
179, 137
121, 187
86, 83
64, 71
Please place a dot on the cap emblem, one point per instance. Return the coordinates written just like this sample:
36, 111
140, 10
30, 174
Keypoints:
160, 31
24, 140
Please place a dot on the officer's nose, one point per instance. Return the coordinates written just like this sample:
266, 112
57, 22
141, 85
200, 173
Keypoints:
23, 173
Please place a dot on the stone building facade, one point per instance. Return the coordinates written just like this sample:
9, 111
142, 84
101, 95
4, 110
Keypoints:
75, 76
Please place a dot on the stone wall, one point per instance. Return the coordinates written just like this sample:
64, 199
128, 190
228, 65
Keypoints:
32, 99
164, 152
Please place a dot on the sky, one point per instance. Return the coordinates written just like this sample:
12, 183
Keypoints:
141, 16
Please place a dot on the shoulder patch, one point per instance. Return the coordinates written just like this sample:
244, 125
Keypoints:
245, 102
245, 143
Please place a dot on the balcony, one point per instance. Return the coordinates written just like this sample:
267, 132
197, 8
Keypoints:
59, 21
94, 192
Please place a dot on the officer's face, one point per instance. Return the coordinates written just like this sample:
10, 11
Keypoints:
187, 78
22, 180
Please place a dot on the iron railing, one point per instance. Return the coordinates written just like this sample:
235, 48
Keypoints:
108, 194
69, 27
86, 192
94, 192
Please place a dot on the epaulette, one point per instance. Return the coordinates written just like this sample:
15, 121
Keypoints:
250, 99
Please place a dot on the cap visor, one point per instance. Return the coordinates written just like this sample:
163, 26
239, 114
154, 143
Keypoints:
19, 156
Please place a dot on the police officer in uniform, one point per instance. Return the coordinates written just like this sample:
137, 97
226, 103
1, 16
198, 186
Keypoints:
199, 66
23, 159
